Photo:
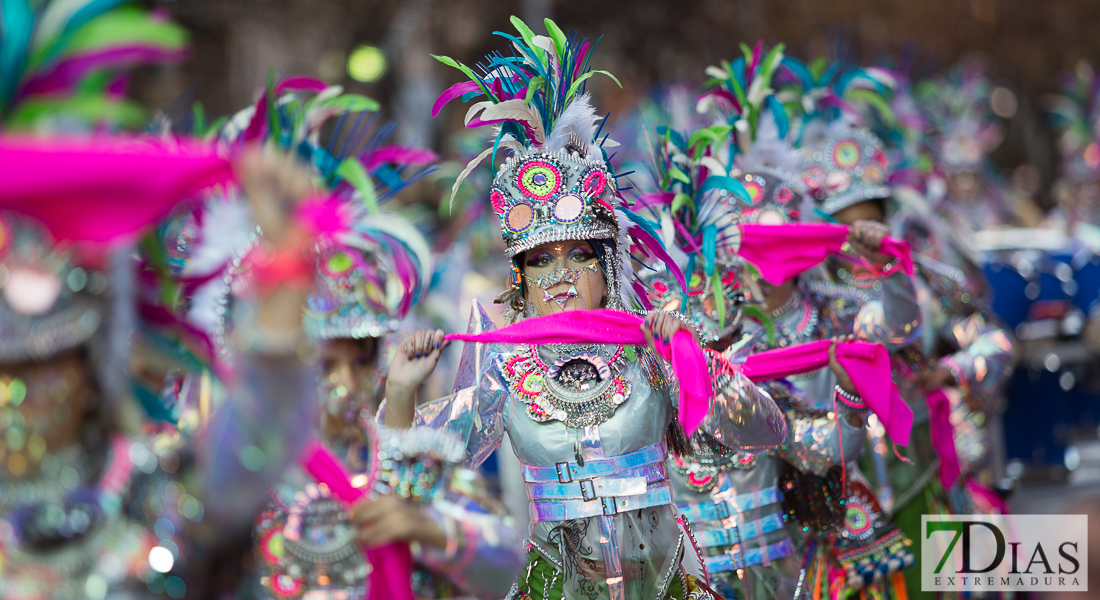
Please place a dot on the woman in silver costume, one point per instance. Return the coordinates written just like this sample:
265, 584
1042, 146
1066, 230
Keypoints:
588, 422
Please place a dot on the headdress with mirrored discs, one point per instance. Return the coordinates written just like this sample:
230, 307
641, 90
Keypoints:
844, 163
371, 265
742, 170
558, 183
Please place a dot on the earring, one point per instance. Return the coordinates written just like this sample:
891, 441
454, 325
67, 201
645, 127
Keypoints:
515, 280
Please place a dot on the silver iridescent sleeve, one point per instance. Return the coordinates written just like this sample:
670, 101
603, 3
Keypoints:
985, 356
817, 444
475, 414
892, 317
484, 550
741, 416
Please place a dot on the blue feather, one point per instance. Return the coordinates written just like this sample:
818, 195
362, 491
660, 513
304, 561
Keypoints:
722, 182
17, 22
799, 69
710, 233
780, 115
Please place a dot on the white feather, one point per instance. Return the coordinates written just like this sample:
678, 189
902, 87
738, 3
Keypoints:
226, 224
578, 118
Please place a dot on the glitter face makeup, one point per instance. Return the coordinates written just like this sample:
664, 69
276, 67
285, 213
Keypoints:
564, 276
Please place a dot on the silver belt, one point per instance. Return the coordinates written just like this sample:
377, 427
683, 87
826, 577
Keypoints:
566, 510
752, 556
745, 531
722, 509
566, 472
632, 482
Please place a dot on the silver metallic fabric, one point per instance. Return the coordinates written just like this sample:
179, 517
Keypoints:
626, 554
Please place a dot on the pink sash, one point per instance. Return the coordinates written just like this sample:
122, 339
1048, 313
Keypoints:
780, 252
867, 364
604, 326
943, 437
98, 189
391, 574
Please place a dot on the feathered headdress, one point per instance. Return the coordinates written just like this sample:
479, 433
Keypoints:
844, 163
964, 128
64, 64
372, 266
695, 204
1076, 115
559, 183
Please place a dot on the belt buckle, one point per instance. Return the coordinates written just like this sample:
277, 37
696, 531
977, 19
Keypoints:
588, 489
723, 509
607, 512
564, 475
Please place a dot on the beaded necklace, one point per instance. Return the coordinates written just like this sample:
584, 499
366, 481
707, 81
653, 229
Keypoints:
581, 388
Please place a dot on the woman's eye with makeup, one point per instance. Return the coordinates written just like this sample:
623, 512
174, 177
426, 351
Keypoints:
582, 255
542, 259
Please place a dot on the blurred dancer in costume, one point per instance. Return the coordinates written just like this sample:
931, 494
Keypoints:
964, 350
962, 131
588, 421
733, 499
92, 506
371, 268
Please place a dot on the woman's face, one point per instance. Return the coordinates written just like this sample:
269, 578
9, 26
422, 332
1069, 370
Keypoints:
349, 372
563, 276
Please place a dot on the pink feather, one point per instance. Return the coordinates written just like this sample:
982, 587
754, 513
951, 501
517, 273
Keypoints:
455, 91
658, 250
400, 155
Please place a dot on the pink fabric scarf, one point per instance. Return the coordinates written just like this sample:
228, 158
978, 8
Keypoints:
943, 438
101, 189
604, 326
867, 364
780, 252
392, 565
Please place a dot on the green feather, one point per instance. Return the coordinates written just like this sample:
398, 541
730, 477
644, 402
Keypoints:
719, 297
353, 172
755, 312
577, 83
556, 34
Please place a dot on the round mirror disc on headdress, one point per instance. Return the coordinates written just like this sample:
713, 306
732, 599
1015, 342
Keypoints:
520, 217
568, 209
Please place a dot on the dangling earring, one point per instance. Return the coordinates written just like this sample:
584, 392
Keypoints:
515, 280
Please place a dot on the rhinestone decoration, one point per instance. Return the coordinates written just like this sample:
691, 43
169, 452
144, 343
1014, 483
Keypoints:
595, 183
846, 154
576, 402
519, 217
550, 197
847, 170
568, 209
498, 200
539, 179
754, 188
354, 295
